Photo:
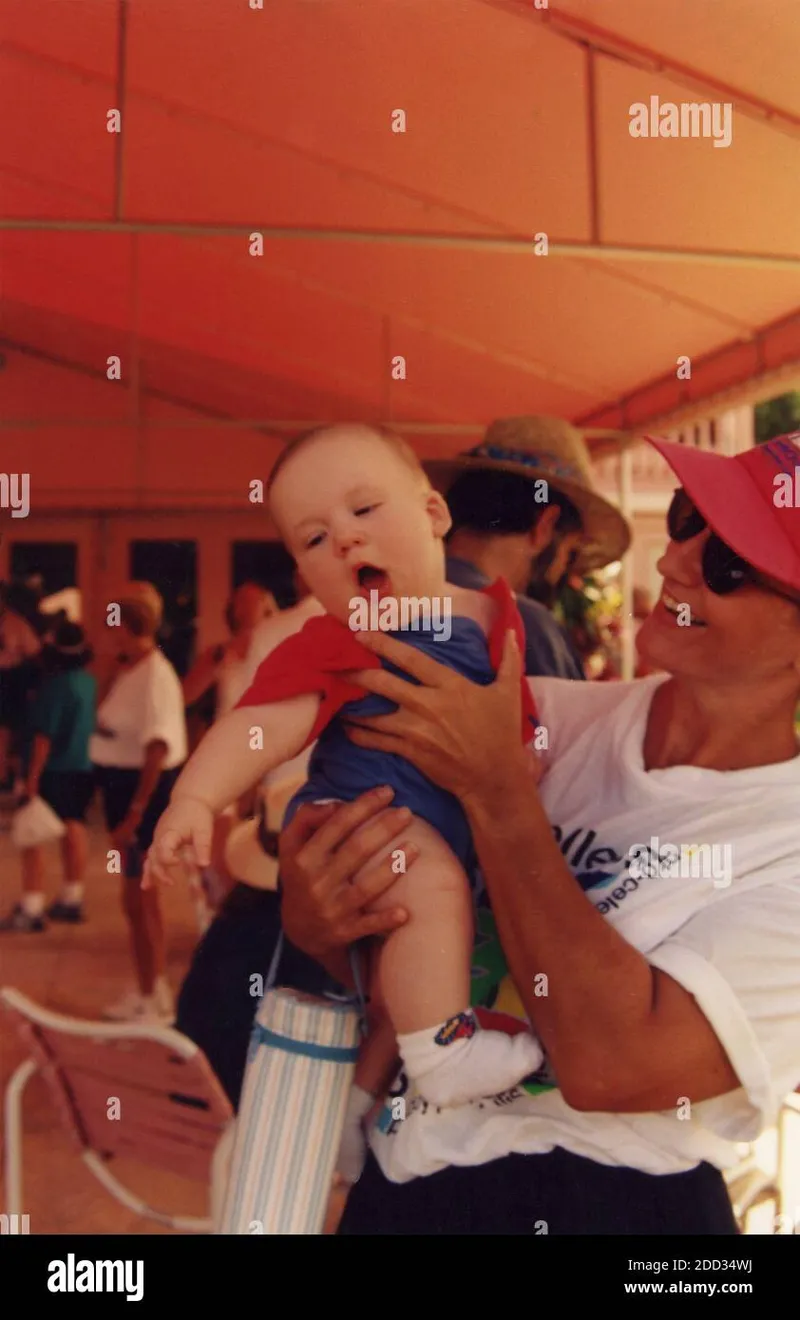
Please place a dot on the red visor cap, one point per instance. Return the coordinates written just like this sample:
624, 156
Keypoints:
752, 500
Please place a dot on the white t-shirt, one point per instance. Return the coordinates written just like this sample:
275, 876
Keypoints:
735, 946
144, 704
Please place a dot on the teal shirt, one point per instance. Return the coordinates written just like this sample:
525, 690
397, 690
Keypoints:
64, 711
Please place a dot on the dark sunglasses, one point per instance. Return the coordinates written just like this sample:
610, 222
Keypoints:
723, 570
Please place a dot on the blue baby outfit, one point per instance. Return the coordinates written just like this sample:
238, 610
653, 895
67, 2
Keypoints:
341, 770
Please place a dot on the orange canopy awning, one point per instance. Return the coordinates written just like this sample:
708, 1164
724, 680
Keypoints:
397, 159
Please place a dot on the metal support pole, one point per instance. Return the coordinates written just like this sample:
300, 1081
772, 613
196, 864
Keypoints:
628, 624
592, 145
479, 242
121, 97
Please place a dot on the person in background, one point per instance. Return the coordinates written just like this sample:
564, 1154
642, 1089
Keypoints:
138, 750
60, 720
524, 508
19, 650
216, 1004
225, 667
224, 672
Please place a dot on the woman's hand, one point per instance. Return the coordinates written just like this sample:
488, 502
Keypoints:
464, 737
324, 909
125, 833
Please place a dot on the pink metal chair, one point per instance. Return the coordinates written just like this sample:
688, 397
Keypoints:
173, 1112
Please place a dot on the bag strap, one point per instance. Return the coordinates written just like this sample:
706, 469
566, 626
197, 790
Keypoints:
355, 966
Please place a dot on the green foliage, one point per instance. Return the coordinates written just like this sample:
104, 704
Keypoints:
777, 416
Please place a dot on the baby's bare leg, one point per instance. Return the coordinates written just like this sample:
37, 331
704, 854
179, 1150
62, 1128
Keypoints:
378, 1058
424, 975
424, 966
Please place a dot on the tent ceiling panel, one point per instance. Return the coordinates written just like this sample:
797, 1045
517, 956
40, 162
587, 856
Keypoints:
38, 390
417, 244
169, 464
479, 151
78, 34
81, 461
752, 47
687, 192
54, 127
220, 389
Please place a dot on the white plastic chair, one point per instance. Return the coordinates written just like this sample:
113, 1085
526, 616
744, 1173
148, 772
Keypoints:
174, 1112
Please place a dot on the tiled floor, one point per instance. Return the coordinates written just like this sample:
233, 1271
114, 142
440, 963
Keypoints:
77, 970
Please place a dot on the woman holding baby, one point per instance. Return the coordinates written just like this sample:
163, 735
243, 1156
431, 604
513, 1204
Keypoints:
667, 1006
620, 1026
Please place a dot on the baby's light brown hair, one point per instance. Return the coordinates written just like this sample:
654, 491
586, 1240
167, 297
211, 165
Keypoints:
395, 442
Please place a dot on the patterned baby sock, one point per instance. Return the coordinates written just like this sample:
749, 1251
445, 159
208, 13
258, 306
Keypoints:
457, 1062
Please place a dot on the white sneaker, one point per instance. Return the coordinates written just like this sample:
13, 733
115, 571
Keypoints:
136, 1007
126, 1008
150, 1012
165, 1000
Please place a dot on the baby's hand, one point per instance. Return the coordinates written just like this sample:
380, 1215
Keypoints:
187, 823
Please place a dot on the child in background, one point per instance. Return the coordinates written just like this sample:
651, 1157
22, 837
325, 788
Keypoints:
356, 510
57, 768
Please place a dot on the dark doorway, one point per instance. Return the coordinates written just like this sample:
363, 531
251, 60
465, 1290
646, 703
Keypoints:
38, 569
45, 566
171, 566
265, 562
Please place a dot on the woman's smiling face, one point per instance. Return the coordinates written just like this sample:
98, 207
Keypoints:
750, 635
357, 518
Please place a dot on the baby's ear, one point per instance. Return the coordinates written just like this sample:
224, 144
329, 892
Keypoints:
438, 512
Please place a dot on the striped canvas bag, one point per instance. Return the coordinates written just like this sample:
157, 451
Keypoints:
300, 1068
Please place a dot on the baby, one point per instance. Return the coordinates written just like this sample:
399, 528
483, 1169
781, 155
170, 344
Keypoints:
358, 514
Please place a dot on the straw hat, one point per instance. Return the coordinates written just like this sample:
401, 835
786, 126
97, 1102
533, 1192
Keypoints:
251, 850
551, 449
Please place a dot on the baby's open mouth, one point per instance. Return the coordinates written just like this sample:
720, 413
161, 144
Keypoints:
370, 578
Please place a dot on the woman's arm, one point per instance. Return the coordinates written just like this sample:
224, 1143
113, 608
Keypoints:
155, 754
201, 676
39, 754
621, 1036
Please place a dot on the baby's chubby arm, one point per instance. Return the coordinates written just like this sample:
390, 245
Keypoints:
234, 755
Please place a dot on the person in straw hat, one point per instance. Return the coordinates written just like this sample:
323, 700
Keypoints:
524, 507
